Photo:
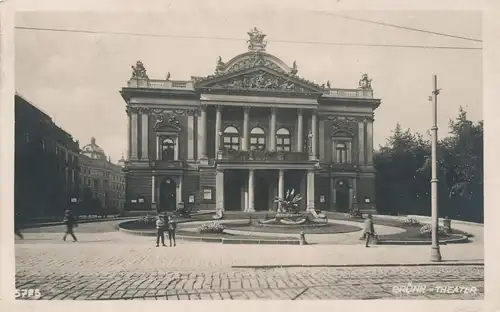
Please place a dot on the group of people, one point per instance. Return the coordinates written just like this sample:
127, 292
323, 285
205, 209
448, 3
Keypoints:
161, 226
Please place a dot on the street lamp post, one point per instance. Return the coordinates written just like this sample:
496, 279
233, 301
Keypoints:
435, 252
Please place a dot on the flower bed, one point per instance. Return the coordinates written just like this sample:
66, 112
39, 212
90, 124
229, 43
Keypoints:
408, 221
212, 228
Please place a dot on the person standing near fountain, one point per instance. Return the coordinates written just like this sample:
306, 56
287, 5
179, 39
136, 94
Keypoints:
172, 226
160, 231
369, 229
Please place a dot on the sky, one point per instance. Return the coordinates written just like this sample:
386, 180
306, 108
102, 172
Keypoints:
76, 77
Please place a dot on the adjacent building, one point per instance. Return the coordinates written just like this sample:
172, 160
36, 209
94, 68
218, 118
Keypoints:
47, 172
102, 181
237, 138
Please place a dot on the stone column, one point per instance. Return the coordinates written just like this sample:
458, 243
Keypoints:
129, 133
349, 152
218, 128
219, 190
145, 134
351, 194
251, 207
322, 140
202, 133
300, 130
369, 142
179, 190
158, 149
176, 149
134, 134
310, 190
334, 151
281, 184
361, 143
314, 139
246, 113
272, 130
190, 129
153, 189
355, 194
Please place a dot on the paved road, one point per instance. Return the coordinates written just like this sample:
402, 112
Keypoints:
106, 264
289, 283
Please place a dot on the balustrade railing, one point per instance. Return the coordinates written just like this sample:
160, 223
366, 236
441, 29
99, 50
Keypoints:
167, 164
258, 155
160, 84
350, 93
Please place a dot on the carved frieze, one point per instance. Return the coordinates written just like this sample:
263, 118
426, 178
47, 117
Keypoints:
261, 80
342, 124
256, 59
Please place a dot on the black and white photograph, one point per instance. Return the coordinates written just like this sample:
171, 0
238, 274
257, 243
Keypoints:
248, 153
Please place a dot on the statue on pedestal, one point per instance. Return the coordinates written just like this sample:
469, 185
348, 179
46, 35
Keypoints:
139, 71
309, 143
365, 82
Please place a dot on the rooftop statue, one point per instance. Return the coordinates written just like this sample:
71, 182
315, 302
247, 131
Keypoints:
256, 42
294, 68
138, 71
167, 76
365, 82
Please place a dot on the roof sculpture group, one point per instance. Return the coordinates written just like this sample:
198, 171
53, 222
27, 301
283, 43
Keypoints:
285, 79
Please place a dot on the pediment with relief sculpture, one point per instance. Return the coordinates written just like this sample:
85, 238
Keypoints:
260, 78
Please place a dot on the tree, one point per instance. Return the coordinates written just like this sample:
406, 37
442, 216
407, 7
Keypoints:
403, 172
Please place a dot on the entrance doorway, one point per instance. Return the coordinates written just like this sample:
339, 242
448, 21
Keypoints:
168, 195
342, 196
234, 181
262, 191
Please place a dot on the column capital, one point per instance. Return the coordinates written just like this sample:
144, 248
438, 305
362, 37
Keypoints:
218, 107
143, 110
203, 107
219, 170
131, 110
274, 109
246, 108
300, 111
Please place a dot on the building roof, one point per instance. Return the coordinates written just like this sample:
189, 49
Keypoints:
93, 150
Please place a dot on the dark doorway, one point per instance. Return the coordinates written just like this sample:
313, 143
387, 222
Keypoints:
168, 195
261, 193
342, 196
234, 180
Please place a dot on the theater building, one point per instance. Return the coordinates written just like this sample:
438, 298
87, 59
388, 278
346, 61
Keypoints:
235, 139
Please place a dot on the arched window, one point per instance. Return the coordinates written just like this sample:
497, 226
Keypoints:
168, 149
283, 140
257, 139
341, 150
231, 138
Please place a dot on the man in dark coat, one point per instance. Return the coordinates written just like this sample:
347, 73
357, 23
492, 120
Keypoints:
369, 229
70, 222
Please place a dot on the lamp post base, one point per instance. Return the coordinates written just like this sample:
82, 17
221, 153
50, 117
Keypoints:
435, 254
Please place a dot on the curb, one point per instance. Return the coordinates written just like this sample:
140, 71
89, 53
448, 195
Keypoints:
423, 264
462, 240
221, 240
39, 225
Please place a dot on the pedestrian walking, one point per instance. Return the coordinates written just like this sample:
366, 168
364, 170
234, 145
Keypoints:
70, 222
172, 226
369, 230
160, 231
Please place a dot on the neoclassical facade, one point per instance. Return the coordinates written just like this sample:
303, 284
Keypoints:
249, 132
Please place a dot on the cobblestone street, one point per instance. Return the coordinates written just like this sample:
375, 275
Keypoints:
289, 283
105, 264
